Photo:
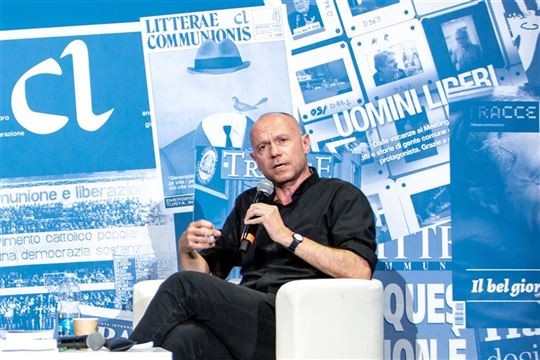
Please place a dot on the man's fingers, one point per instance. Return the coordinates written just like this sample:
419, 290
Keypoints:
254, 212
202, 237
202, 244
203, 223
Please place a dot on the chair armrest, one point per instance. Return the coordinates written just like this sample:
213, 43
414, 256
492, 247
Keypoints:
330, 319
143, 293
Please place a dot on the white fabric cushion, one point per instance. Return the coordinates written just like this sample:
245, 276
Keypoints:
330, 319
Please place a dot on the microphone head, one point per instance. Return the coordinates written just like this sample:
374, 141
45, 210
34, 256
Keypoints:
95, 340
266, 187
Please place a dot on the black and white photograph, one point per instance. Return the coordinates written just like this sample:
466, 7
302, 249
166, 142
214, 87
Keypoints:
303, 17
310, 21
396, 62
394, 59
464, 39
463, 44
323, 81
360, 16
326, 81
431, 203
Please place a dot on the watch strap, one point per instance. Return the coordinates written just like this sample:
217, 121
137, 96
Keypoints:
296, 240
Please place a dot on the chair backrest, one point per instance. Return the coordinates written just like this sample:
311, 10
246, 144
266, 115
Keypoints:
330, 319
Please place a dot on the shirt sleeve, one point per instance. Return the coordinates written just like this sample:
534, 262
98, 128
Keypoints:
353, 224
226, 254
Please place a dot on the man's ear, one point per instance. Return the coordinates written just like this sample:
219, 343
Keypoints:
306, 143
484, 198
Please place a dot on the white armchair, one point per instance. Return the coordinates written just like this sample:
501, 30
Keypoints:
315, 319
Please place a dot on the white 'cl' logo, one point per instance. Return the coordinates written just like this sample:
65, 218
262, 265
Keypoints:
44, 123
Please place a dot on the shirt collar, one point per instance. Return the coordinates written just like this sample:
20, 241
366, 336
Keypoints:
304, 186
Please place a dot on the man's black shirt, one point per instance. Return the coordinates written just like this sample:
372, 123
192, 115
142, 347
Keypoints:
329, 211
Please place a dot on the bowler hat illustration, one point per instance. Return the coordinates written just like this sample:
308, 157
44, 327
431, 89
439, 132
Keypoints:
218, 58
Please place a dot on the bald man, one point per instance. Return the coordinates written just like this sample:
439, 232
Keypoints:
310, 228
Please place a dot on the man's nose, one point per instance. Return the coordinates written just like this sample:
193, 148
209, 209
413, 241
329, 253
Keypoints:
274, 150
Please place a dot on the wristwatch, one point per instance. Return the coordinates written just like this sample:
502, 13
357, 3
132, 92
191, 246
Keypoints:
296, 240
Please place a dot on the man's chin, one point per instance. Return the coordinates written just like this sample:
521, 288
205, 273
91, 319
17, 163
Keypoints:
280, 178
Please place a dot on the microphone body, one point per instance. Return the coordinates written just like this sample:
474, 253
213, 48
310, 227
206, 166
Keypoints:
264, 190
94, 341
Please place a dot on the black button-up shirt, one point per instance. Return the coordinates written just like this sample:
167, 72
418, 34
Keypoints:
329, 211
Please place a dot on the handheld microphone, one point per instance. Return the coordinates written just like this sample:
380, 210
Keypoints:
94, 341
264, 190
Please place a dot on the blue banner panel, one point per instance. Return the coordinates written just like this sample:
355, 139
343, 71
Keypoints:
74, 104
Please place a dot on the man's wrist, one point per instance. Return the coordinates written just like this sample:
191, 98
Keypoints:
192, 253
296, 239
287, 238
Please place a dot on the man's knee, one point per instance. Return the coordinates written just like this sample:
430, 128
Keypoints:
184, 278
186, 284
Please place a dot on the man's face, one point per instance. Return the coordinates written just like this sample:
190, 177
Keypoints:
302, 6
462, 38
390, 66
522, 180
279, 149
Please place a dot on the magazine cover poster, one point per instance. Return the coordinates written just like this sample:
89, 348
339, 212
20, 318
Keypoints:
496, 206
208, 83
73, 101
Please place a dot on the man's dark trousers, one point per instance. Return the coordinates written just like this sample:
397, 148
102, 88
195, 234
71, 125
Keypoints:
198, 316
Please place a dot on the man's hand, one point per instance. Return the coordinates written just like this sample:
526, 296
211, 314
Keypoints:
270, 218
338, 263
199, 234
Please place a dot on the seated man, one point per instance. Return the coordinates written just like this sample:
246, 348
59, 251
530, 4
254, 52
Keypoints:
310, 228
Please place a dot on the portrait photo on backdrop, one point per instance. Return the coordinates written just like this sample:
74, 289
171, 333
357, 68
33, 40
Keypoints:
396, 62
463, 43
309, 227
303, 16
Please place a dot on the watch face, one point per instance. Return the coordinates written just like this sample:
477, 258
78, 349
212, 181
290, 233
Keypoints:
298, 237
